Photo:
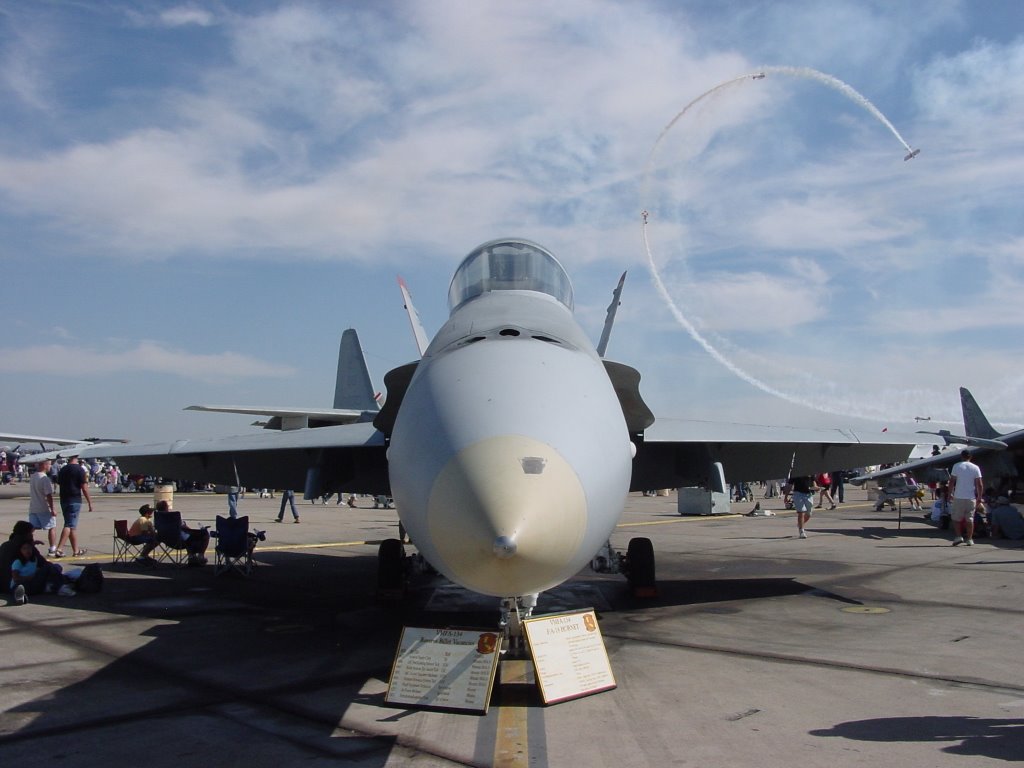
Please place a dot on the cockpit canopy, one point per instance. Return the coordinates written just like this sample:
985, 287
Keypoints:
509, 265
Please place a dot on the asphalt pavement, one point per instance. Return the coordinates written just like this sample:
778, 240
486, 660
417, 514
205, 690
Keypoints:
865, 644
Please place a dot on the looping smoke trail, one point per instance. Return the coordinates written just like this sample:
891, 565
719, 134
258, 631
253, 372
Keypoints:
847, 90
805, 72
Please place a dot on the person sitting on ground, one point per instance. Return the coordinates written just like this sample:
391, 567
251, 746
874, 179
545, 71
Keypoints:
143, 531
22, 532
1006, 520
31, 574
196, 539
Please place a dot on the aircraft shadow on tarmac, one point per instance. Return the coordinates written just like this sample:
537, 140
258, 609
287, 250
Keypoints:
269, 664
984, 737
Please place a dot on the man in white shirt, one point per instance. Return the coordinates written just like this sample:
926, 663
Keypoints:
41, 512
965, 493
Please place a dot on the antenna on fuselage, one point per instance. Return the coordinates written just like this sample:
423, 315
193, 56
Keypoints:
610, 317
414, 318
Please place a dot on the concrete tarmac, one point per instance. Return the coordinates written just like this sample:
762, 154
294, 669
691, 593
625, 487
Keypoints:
861, 645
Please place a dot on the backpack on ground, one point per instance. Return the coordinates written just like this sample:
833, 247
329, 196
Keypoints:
91, 579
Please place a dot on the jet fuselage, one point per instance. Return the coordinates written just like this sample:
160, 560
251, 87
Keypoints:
510, 459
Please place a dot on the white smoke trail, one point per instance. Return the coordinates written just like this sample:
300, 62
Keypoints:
847, 90
823, 405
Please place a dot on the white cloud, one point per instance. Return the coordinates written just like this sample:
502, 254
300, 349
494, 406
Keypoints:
146, 356
184, 15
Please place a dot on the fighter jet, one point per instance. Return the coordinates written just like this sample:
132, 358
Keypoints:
1000, 456
758, 76
510, 445
912, 154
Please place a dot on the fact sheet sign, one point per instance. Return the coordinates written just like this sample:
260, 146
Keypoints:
569, 655
444, 669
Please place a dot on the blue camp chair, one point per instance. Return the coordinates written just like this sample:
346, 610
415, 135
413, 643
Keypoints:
234, 546
172, 548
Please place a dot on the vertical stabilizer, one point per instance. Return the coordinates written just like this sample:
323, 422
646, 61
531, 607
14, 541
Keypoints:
975, 423
352, 388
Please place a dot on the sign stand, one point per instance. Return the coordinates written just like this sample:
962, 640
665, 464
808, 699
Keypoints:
449, 669
568, 655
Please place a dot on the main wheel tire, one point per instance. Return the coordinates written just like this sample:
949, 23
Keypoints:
640, 564
391, 567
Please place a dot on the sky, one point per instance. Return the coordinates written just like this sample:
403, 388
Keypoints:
196, 199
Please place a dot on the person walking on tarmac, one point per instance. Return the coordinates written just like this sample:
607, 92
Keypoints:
74, 484
965, 491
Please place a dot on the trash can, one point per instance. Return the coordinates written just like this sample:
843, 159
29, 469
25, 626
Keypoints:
163, 493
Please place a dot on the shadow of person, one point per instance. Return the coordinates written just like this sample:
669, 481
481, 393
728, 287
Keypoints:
1000, 739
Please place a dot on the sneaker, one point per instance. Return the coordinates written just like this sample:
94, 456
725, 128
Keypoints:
277, 520
296, 520
66, 591
20, 598
803, 534
52, 551
958, 540
969, 542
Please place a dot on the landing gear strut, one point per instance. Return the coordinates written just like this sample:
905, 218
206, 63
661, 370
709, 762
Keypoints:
514, 610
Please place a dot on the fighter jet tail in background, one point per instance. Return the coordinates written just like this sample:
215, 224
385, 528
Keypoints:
352, 388
975, 422
354, 398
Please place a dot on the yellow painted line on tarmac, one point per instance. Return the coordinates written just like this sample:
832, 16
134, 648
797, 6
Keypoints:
281, 548
680, 519
512, 740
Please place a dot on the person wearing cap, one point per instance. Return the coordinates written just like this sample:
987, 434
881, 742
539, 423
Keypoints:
143, 531
74, 484
965, 493
1006, 520
41, 512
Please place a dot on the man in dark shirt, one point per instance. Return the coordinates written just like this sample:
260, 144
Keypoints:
74, 484
803, 501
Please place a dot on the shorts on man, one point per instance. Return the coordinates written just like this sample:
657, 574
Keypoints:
70, 510
42, 522
803, 502
961, 509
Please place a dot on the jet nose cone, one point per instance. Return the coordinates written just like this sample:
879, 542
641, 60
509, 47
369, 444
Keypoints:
505, 547
507, 514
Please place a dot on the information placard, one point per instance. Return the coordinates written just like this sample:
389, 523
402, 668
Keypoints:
444, 669
569, 655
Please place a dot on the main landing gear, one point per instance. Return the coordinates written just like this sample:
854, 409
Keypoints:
637, 565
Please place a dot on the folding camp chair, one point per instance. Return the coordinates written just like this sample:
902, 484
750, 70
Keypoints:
124, 550
172, 546
234, 546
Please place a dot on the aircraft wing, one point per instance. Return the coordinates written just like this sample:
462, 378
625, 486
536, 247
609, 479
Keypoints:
348, 457
678, 453
291, 418
15, 438
931, 469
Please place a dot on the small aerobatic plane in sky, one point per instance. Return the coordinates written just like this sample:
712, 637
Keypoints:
509, 447
999, 455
